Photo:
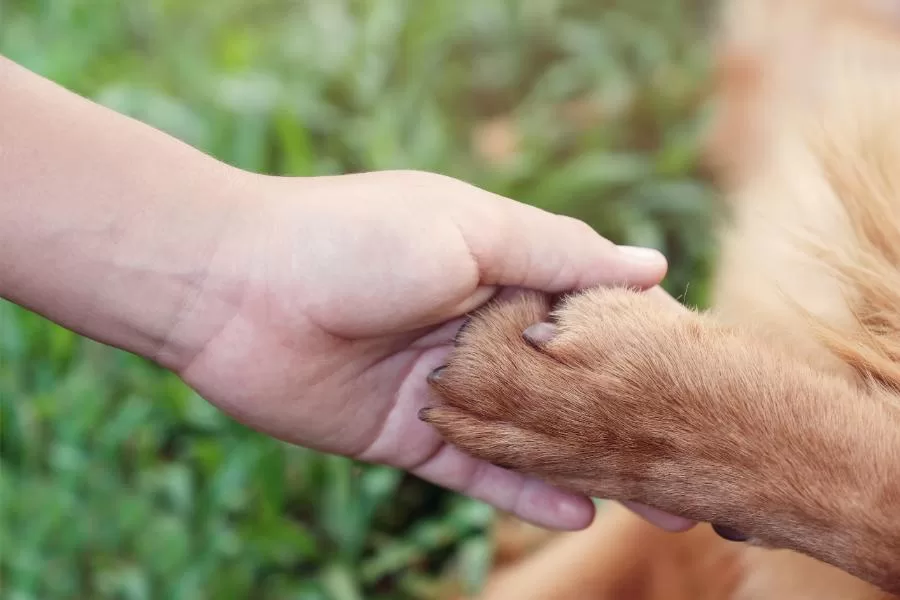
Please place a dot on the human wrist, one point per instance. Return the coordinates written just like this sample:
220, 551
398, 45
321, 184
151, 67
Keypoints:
122, 273
107, 225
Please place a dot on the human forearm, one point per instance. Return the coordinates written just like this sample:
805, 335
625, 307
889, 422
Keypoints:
107, 226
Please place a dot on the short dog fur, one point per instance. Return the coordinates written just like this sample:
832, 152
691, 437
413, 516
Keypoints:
777, 413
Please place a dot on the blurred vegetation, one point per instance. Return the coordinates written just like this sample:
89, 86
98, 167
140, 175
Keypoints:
117, 481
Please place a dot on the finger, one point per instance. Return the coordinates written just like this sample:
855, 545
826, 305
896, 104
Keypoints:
528, 499
519, 245
661, 519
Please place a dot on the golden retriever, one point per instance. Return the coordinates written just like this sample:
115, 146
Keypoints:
775, 415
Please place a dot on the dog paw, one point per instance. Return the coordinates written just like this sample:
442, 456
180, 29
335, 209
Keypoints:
609, 395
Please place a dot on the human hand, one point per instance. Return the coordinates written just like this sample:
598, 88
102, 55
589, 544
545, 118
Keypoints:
310, 309
335, 297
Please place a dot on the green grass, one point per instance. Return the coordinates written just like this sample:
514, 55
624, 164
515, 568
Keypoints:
117, 481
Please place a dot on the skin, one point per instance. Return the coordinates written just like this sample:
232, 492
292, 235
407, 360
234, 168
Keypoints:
310, 309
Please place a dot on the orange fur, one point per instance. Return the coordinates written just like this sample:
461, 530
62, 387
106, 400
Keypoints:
648, 563
777, 413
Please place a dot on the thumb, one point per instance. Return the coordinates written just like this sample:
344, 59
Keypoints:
515, 244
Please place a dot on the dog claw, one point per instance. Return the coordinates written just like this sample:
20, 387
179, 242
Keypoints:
732, 535
540, 334
459, 332
435, 375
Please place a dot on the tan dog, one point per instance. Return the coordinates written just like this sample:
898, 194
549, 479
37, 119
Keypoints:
776, 415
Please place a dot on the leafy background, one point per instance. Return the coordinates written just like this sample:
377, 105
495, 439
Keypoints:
119, 482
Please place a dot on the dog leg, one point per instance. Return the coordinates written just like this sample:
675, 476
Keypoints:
620, 398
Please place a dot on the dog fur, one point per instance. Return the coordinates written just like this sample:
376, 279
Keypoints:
777, 413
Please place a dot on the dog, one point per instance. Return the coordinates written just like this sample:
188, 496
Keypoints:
774, 418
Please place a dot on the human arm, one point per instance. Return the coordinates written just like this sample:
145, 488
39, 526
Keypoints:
308, 308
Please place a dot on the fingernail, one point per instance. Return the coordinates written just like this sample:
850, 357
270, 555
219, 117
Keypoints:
644, 255
436, 374
572, 509
732, 535
539, 334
